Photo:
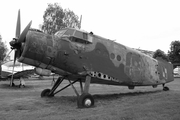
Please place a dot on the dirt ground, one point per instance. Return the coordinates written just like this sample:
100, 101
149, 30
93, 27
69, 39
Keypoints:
111, 102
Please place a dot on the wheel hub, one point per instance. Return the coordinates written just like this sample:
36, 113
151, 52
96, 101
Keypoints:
87, 102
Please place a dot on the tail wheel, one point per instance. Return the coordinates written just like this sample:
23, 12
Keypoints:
45, 93
85, 100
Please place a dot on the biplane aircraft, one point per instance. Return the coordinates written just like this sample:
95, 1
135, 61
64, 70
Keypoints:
18, 71
79, 56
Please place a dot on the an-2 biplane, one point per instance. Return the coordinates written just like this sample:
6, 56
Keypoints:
79, 56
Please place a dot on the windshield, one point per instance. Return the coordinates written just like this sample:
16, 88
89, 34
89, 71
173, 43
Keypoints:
60, 33
75, 36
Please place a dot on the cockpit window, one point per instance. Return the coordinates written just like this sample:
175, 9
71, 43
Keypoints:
81, 37
90, 38
76, 36
69, 32
60, 33
78, 40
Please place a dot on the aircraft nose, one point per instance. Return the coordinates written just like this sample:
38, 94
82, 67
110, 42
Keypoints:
14, 44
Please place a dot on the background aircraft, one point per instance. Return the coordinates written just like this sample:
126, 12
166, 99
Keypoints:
79, 56
8, 67
20, 71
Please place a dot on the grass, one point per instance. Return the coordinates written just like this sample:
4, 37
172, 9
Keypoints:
111, 103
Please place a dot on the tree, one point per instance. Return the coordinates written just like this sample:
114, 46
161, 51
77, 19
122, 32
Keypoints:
70, 19
174, 53
55, 18
161, 54
3, 51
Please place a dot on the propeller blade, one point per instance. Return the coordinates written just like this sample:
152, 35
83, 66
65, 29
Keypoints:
18, 53
11, 81
15, 56
18, 25
23, 34
7, 55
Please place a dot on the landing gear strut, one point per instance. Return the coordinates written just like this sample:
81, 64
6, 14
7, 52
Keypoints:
85, 100
165, 88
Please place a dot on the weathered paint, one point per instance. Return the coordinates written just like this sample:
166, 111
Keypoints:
119, 64
165, 71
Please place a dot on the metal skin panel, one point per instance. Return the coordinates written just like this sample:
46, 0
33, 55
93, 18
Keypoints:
113, 63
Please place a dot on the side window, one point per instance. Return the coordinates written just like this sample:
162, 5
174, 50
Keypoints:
85, 36
90, 38
78, 40
118, 57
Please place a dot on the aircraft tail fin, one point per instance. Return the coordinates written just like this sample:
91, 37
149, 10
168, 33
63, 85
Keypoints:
166, 70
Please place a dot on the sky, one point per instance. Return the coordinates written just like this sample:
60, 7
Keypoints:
144, 24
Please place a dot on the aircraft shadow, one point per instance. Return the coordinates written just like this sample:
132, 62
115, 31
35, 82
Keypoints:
113, 96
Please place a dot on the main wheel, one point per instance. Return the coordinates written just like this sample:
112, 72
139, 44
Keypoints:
85, 101
45, 93
165, 88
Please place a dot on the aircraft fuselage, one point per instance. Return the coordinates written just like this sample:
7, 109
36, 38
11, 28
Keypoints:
76, 52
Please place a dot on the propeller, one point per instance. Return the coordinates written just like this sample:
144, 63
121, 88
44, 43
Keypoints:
16, 43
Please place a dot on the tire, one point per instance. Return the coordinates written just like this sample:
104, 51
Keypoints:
45, 93
165, 88
85, 101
